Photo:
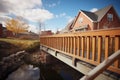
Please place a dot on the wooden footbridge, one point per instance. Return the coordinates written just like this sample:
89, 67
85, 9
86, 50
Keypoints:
81, 49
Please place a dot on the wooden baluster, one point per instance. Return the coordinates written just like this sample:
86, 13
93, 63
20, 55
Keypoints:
106, 47
56, 42
93, 48
68, 45
74, 47
78, 46
47, 41
83, 44
51, 42
116, 63
88, 47
63, 44
71, 45
99, 48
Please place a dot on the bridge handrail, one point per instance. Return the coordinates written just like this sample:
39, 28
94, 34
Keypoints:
101, 67
92, 47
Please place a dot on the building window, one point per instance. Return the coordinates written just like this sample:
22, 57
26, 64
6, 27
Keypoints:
81, 20
110, 17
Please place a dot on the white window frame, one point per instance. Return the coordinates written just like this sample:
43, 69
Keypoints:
81, 20
110, 17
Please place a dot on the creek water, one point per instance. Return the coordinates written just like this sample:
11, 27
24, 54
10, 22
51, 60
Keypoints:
25, 72
56, 70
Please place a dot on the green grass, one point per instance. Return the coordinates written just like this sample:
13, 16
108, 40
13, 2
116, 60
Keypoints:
22, 44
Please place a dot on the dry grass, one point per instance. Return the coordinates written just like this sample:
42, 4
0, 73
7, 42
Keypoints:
23, 44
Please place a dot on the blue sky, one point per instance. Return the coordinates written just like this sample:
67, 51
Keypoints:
54, 14
70, 8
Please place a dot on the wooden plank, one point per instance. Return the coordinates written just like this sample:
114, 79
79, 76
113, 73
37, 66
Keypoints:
93, 48
99, 48
111, 32
68, 45
74, 47
83, 44
60, 43
78, 46
80, 40
116, 63
88, 47
106, 47
71, 45
63, 44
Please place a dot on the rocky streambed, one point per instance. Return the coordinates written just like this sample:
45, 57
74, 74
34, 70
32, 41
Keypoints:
10, 63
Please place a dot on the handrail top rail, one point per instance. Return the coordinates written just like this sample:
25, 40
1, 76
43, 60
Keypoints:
105, 32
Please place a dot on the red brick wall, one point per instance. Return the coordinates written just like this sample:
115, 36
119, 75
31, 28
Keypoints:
86, 21
44, 33
9, 33
113, 24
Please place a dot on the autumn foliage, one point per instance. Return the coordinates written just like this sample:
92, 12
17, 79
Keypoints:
16, 26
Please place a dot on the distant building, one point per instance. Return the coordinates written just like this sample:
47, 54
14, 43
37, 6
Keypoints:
4, 32
28, 35
44, 33
102, 19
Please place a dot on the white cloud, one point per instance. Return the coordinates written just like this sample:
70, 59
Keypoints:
33, 28
93, 9
31, 10
36, 15
11, 6
52, 5
25, 9
60, 15
3, 19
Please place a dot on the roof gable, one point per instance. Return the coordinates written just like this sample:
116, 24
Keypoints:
90, 15
100, 13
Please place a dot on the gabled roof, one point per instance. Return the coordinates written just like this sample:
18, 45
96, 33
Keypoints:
91, 15
68, 27
100, 13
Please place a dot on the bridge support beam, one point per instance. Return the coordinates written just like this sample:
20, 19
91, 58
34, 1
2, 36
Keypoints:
74, 61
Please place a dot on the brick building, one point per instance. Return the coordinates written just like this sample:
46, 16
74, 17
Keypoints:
104, 18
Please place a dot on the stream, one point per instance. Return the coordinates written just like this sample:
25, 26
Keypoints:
32, 69
25, 72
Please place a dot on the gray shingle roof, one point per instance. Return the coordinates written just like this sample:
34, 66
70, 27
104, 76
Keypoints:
98, 15
91, 15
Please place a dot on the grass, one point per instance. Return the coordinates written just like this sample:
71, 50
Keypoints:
22, 44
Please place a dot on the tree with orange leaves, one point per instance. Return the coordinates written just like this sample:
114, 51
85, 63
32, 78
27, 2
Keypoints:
16, 26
